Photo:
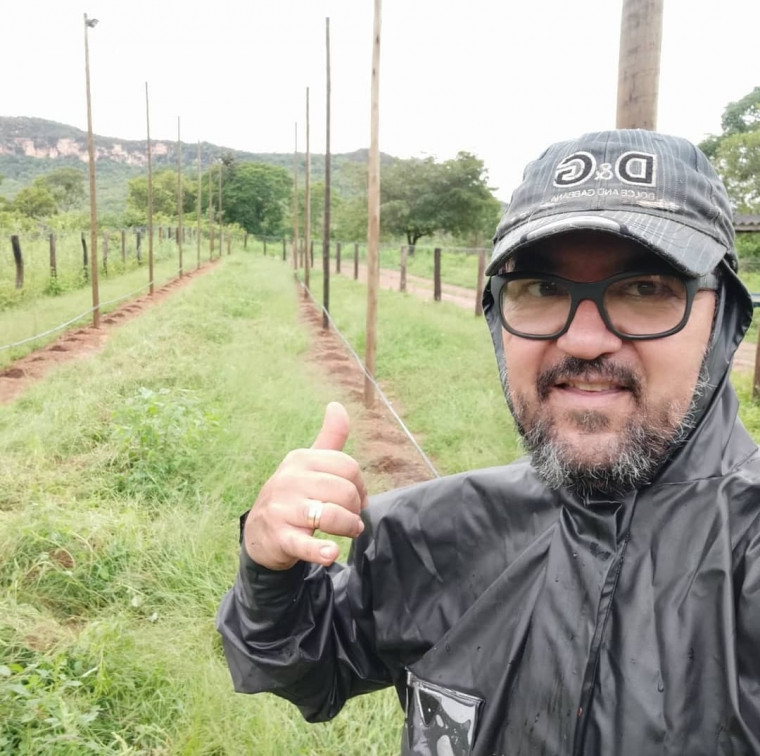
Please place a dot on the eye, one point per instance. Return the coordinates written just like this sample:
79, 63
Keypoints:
540, 288
650, 287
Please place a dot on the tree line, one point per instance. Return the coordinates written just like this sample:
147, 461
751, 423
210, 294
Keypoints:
419, 197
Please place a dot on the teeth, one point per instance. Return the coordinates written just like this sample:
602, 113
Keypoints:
590, 386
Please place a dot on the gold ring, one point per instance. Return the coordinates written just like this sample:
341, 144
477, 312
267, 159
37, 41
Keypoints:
315, 514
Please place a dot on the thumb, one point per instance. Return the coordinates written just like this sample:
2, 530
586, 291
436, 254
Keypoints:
334, 430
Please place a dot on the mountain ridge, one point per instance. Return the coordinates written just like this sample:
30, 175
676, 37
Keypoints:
30, 147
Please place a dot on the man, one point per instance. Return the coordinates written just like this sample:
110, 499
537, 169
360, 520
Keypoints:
600, 597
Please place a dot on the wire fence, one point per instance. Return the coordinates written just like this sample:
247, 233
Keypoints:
383, 398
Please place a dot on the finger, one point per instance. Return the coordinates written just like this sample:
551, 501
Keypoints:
300, 545
325, 461
326, 516
294, 486
334, 430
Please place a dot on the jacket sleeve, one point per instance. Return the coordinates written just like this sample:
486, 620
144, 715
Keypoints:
305, 634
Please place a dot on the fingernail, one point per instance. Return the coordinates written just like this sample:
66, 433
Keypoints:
359, 528
327, 551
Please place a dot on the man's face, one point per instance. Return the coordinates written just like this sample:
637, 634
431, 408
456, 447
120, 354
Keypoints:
597, 412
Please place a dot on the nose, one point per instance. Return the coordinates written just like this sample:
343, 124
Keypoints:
588, 337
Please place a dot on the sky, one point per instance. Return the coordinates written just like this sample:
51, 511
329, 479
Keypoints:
498, 78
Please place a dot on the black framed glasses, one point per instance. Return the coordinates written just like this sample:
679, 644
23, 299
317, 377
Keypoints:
633, 305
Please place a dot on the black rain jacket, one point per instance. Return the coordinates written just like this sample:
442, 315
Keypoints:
514, 619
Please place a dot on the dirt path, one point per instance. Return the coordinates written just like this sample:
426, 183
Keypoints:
82, 342
384, 450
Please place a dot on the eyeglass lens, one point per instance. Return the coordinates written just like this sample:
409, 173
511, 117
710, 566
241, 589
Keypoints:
637, 305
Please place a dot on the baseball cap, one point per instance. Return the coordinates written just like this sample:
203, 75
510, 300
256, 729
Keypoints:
658, 190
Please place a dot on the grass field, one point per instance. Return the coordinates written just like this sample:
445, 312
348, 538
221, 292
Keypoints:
121, 481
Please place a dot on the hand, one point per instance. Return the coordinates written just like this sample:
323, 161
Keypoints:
320, 487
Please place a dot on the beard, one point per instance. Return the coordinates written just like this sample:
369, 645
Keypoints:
609, 469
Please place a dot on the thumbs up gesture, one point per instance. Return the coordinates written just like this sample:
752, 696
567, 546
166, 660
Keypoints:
317, 488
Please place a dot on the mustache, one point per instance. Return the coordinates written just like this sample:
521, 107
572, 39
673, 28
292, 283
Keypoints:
600, 368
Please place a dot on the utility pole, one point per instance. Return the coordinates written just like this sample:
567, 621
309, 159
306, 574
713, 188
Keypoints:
639, 64
89, 23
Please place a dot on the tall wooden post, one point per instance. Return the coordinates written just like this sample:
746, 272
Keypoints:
210, 216
356, 260
639, 64
221, 221
179, 200
295, 200
373, 215
402, 273
326, 225
307, 208
150, 198
89, 23
198, 210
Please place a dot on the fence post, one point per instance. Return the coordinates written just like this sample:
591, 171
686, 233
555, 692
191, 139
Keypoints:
479, 286
311, 253
84, 256
337, 257
139, 247
53, 261
265, 247
356, 260
160, 233
437, 274
105, 252
245, 241
211, 243
229, 242
402, 277
123, 246
283, 248
19, 260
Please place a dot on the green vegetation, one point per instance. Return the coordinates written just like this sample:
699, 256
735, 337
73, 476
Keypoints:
736, 152
121, 480
422, 197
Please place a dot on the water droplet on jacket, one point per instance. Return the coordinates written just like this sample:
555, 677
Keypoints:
575, 555
660, 686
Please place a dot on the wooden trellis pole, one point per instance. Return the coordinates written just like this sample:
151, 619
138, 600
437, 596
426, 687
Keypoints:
150, 199
373, 215
326, 225
307, 208
179, 199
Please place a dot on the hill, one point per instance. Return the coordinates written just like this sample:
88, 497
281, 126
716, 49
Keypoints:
30, 147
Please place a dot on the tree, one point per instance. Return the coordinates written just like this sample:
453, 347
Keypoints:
257, 196
736, 152
164, 196
420, 197
35, 201
67, 187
